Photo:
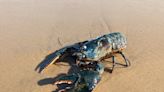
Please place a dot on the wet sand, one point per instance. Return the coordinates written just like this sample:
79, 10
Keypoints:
30, 29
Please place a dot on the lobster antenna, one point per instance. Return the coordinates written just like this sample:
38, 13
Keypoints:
90, 35
105, 24
59, 42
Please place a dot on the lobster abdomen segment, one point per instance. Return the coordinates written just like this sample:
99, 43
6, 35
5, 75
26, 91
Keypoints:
118, 40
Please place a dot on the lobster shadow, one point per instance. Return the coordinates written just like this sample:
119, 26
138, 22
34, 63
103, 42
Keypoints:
48, 81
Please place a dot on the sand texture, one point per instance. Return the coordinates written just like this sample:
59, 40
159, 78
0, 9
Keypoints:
32, 29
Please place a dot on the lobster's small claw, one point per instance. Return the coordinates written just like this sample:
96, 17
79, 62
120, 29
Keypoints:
68, 79
63, 82
71, 81
83, 81
65, 89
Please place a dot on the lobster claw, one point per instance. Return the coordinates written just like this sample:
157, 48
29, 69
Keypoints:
67, 79
50, 59
71, 81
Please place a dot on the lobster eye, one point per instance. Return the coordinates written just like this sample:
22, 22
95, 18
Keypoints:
83, 56
84, 47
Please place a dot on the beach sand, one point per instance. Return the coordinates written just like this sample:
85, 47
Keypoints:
31, 29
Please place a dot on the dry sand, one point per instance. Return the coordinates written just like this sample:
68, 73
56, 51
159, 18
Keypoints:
29, 30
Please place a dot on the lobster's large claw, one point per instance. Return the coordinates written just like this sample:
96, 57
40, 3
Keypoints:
50, 59
52, 62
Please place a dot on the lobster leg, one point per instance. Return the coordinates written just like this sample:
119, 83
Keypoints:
114, 63
126, 60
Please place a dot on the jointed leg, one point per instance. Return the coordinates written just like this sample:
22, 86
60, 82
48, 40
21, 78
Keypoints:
114, 63
126, 60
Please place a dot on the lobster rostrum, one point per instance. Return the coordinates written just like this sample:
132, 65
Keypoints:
97, 49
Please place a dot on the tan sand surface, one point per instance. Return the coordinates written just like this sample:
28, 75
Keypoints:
30, 29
